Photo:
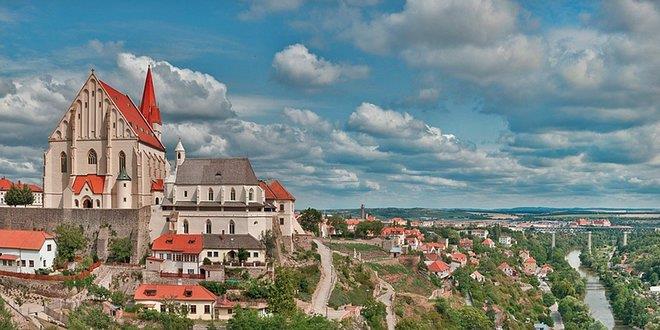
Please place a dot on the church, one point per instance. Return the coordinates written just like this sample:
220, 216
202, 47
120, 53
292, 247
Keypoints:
105, 152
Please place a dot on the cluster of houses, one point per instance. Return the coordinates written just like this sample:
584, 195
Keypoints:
6, 184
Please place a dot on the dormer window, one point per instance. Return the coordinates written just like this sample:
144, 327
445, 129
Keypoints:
149, 292
210, 194
251, 194
233, 194
187, 293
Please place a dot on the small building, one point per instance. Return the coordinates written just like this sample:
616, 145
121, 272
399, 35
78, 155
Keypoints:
435, 247
488, 243
477, 276
37, 192
544, 271
439, 268
481, 233
351, 224
505, 240
25, 251
465, 243
529, 266
225, 308
459, 258
195, 299
506, 269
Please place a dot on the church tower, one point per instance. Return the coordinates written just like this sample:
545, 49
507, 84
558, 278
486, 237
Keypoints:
149, 106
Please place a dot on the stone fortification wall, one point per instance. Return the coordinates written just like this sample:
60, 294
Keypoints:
109, 223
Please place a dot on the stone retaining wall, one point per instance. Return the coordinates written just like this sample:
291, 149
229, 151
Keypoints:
131, 223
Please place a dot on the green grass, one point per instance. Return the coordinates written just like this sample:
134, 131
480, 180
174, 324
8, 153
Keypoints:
312, 276
405, 279
354, 284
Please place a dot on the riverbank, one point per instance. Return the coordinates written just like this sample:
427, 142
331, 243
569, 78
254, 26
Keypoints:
596, 295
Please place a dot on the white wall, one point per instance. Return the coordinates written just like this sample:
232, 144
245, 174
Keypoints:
41, 259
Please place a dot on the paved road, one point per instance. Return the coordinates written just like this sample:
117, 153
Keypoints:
387, 298
327, 281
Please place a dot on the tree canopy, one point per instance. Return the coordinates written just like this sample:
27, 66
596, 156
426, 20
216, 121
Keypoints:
19, 195
310, 220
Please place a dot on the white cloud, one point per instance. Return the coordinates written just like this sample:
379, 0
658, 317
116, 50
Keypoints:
308, 119
427, 180
181, 92
260, 8
372, 119
297, 66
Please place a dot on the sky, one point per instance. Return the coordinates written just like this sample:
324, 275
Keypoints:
416, 103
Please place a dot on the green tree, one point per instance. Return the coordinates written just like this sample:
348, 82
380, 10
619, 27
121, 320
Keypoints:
121, 249
310, 220
19, 195
339, 223
218, 288
243, 255
282, 292
69, 240
5, 318
85, 317
367, 228
472, 318
374, 312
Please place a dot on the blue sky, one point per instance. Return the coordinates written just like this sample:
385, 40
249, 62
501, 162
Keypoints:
454, 103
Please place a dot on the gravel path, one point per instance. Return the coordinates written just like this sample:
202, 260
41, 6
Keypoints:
326, 282
387, 298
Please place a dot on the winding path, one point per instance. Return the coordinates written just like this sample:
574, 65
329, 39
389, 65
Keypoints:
387, 298
326, 282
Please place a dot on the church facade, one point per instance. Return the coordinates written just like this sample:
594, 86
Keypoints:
105, 152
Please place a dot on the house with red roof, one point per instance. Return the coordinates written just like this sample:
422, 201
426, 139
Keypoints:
465, 243
529, 266
458, 259
37, 191
506, 269
25, 251
435, 247
477, 276
351, 224
198, 302
488, 243
185, 255
439, 268
105, 151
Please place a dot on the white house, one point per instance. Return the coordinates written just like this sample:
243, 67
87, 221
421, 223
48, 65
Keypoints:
37, 192
505, 240
25, 251
183, 254
195, 299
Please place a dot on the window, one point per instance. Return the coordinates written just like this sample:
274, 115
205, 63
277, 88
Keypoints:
49, 247
157, 200
78, 203
185, 193
63, 161
233, 194
281, 207
91, 157
281, 221
178, 156
230, 311
215, 254
255, 254
209, 254
98, 203
22, 263
232, 227
186, 226
207, 309
210, 194
162, 308
44, 263
193, 309
191, 271
31, 263
251, 194
208, 226
122, 161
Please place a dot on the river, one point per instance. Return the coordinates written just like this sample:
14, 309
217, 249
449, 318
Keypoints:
595, 297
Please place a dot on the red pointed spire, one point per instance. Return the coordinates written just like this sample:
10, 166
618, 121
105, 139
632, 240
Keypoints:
149, 107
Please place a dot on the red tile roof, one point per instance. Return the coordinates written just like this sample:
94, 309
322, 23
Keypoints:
23, 239
157, 185
352, 222
185, 243
530, 260
173, 292
387, 231
438, 266
95, 182
8, 257
457, 256
137, 121
5, 184
149, 106
276, 191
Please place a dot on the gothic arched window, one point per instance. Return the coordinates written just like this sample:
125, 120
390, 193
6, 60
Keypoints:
232, 227
122, 161
233, 194
186, 226
91, 157
210, 194
251, 194
208, 226
63, 162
